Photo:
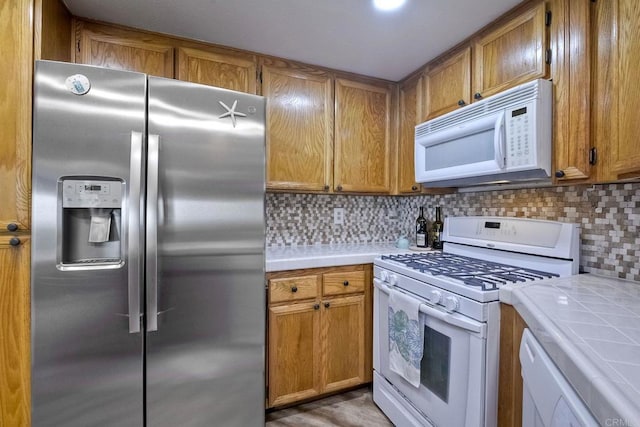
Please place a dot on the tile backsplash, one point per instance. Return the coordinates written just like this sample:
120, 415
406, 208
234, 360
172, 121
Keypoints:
609, 215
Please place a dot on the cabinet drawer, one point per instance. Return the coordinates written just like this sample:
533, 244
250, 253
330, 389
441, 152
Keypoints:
293, 288
342, 283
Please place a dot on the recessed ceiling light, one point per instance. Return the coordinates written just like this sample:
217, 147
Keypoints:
388, 4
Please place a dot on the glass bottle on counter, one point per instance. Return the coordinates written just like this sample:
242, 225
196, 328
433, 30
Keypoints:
421, 230
436, 230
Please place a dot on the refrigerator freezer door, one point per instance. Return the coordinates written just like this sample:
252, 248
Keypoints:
205, 361
87, 368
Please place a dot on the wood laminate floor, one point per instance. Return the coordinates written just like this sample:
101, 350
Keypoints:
351, 409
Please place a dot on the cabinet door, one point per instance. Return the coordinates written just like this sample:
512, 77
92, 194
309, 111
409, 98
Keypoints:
362, 137
299, 129
235, 72
617, 93
571, 75
410, 114
294, 352
16, 50
15, 369
512, 54
344, 342
447, 85
125, 53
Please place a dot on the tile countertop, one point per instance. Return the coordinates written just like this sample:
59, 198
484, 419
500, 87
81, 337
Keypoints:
313, 256
590, 327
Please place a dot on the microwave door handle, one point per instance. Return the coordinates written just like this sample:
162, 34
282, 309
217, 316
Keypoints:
498, 140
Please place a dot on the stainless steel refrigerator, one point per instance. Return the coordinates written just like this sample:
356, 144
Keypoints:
148, 301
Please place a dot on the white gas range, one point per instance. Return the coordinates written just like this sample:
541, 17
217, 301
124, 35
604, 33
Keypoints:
458, 291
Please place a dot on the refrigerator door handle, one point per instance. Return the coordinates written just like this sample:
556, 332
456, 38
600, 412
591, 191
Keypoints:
152, 233
134, 225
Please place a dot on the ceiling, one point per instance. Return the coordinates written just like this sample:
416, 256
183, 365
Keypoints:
347, 35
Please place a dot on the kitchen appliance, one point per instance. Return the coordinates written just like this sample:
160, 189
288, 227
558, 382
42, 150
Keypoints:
548, 400
501, 139
458, 291
148, 304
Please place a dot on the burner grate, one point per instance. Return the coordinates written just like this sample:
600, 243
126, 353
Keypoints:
485, 275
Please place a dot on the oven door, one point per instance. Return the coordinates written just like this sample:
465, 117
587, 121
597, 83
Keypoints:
452, 372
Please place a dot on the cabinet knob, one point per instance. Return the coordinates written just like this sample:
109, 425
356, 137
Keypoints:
316, 306
414, 188
14, 241
12, 227
326, 188
345, 283
294, 288
559, 174
339, 188
327, 304
461, 102
477, 95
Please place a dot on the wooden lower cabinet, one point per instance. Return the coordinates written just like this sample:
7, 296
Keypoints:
320, 343
510, 377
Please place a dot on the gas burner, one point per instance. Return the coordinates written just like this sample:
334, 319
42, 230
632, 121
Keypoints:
484, 275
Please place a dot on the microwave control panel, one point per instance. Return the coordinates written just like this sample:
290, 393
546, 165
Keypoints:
519, 132
91, 194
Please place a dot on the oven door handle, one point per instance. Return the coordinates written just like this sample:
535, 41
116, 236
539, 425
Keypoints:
449, 318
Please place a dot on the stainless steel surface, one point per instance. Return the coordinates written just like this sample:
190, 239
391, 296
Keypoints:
152, 234
86, 367
135, 218
205, 363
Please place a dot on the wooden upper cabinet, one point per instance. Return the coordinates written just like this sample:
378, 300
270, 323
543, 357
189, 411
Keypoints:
16, 49
447, 85
362, 137
221, 69
299, 127
130, 51
511, 54
616, 92
410, 113
571, 76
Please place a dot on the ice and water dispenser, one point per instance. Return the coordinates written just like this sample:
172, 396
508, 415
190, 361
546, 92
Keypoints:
90, 232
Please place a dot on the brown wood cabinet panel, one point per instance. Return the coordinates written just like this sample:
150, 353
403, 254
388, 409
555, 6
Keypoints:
410, 114
343, 283
447, 85
220, 69
616, 92
511, 54
129, 52
362, 137
510, 379
15, 336
294, 288
571, 75
343, 337
294, 353
52, 32
16, 51
299, 128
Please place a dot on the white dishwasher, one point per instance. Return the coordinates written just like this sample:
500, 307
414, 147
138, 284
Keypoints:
548, 400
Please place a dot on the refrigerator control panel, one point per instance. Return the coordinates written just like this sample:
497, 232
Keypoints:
91, 194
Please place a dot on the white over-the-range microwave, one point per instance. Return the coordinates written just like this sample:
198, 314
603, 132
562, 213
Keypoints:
505, 138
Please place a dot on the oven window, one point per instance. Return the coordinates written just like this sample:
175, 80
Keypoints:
436, 362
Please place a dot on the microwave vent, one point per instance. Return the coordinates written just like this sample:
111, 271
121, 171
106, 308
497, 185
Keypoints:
500, 101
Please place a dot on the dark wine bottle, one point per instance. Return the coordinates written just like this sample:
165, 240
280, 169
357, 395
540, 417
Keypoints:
436, 230
421, 230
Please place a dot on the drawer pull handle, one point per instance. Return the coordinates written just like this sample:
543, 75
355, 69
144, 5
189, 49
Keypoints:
14, 241
327, 304
294, 288
12, 227
316, 306
345, 283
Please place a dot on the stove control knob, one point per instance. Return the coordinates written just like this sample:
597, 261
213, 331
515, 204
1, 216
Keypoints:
435, 297
451, 304
384, 275
393, 279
